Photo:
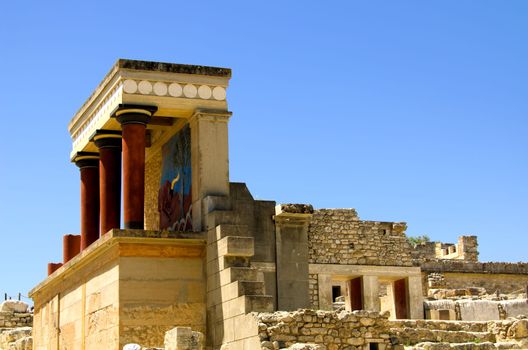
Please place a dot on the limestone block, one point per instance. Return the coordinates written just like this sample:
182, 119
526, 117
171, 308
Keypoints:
183, 338
235, 246
301, 346
233, 274
519, 329
13, 306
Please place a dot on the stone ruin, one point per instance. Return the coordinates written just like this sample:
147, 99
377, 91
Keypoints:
201, 264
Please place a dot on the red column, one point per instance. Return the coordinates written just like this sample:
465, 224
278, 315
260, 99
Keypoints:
88, 164
109, 144
52, 267
400, 298
71, 246
134, 121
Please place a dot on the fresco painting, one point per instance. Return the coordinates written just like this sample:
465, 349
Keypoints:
174, 196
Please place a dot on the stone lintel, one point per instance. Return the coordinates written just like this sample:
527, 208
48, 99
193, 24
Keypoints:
347, 271
128, 243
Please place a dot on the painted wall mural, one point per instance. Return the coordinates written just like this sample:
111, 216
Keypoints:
174, 196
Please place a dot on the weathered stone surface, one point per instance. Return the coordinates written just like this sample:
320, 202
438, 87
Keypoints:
329, 330
301, 346
13, 306
337, 236
519, 329
297, 208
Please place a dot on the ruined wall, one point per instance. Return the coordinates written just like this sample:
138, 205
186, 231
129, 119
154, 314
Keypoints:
313, 290
343, 330
16, 338
504, 283
15, 319
504, 277
466, 249
337, 236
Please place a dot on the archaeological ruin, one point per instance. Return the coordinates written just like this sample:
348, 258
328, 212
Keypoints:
198, 263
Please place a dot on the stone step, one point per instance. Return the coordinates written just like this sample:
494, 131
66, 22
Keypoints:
234, 290
240, 288
468, 326
233, 274
244, 305
212, 203
233, 246
236, 246
418, 335
224, 230
216, 265
219, 217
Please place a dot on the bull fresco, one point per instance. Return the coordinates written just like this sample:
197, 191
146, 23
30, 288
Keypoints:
174, 196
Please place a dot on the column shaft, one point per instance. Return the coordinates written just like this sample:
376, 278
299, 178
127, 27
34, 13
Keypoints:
134, 175
52, 267
109, 144
88, 164
89, 206
134, 120
71, 246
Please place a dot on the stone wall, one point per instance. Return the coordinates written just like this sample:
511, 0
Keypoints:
334, 330
507, 278
15, 326
13, 320
520, 268
16, 339
314, 290
152, 185
466, 249
337, 236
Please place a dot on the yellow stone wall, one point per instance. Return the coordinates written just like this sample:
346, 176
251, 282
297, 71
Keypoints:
158, 294
152, 184
122, 289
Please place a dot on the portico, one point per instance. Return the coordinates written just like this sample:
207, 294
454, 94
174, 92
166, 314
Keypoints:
150, 144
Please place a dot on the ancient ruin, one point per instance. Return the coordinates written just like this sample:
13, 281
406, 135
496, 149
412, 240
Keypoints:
201, 264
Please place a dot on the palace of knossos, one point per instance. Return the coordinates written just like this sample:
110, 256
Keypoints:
172, 255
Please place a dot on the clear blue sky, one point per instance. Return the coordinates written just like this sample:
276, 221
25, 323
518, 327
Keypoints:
409, 111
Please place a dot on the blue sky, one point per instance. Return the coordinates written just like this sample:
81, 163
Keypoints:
409, 111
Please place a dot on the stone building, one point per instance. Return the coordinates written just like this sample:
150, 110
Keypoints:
199, 251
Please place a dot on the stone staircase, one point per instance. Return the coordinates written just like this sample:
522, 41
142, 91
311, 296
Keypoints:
445, 335
234, 288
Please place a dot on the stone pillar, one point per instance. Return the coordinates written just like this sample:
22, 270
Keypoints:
370, 288
134, 120
324, 285
109, 144
415, 297
71, 246
88, 164
209, 160
52, 267
291, 229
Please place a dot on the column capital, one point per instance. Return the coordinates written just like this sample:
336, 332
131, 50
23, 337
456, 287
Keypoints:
107, 138
133, 114
293, 214
213, 115
86, 159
